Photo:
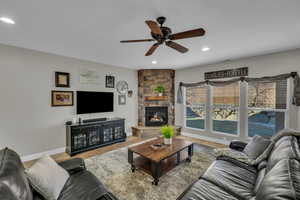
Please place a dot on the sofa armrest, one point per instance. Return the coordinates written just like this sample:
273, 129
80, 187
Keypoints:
237, 145
74, 165
108, 196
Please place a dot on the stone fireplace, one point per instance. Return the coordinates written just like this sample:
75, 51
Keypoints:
149, 103
156, 116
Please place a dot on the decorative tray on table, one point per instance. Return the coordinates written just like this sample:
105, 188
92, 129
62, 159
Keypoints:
158, 146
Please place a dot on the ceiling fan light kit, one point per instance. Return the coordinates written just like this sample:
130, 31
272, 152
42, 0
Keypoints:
163, 35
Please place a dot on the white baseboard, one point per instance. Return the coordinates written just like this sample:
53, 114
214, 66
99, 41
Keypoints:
210, 139
38, 155
51, 152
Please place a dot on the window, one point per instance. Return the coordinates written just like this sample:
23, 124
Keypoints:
267, 107
260, 108
225, 108
195, 107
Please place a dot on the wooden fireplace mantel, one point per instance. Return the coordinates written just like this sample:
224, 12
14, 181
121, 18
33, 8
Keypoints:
156, 98
150, 131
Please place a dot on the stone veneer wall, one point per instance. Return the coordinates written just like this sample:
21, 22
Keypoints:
148, 79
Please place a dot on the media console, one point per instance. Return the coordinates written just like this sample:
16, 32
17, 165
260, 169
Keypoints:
87, 136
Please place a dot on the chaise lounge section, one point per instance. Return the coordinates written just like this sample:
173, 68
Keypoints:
275, 178
81, 185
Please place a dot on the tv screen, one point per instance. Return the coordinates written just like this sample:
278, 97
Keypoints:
94, 102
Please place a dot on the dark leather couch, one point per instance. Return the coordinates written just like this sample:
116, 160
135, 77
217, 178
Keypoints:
82, 184
275, 178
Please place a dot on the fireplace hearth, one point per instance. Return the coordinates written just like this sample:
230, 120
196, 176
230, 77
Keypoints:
156, 116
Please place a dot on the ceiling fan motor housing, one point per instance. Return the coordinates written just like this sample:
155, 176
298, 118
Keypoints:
166, 33
161, 20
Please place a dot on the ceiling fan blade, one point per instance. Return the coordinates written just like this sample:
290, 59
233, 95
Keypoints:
177, 46
188, 34
152, 49
154, 27
145, 40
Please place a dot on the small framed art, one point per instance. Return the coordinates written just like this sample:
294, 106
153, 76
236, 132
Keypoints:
122, 99
110, 82
129, 93
62, 79
62, 98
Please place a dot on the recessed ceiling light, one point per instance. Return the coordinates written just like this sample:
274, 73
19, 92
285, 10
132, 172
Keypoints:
154, 62
7, 20
205, 49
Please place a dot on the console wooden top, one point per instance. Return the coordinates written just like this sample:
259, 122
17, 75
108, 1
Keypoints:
147, 151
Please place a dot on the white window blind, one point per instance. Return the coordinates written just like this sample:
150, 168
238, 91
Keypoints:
225, 108
196, 98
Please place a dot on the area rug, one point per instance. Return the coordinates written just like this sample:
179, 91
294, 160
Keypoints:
114, 171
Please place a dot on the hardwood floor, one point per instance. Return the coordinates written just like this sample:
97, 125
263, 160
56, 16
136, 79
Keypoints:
130, 140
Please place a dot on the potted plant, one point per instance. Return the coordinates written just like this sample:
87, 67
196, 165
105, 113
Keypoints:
160, 89
168, 133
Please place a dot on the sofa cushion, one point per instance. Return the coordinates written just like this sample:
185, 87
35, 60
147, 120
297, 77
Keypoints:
281, 182
256, 147
47, 177
260, 177
237, 155
286, 147
13, 181
235, 179
205, 190
6, 193
82, 186
73, 165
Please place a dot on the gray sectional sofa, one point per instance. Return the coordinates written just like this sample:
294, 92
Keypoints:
277, 177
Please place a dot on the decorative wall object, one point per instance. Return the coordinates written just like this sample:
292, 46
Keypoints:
122, 87
62, 79
122, 99
227, 73
109, 81
89, 77
130, 92
62, 98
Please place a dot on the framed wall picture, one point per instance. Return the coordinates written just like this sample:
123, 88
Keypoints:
110, 82
62, 79
122, 99
129, 93
88, 76
62, 98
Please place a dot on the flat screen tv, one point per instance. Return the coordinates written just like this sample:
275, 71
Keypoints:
94, 102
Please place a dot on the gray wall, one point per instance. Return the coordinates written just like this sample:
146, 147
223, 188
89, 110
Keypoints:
28, 123
259, 66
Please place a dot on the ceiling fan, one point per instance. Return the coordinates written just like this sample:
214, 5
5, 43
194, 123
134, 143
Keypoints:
163, 35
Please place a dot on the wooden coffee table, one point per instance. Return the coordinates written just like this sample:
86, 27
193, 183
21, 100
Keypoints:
158, 162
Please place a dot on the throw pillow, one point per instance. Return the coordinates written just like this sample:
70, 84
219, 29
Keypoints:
237, 155
256, 147
47, 177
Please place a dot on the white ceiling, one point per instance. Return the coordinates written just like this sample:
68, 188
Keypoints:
91, 29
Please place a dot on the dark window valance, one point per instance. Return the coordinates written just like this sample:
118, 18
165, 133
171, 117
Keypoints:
266, 79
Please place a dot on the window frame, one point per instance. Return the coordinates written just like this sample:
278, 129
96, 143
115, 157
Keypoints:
205, 110
238, 114
285, 111
242, 111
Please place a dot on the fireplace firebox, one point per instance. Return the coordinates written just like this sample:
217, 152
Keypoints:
156, 116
